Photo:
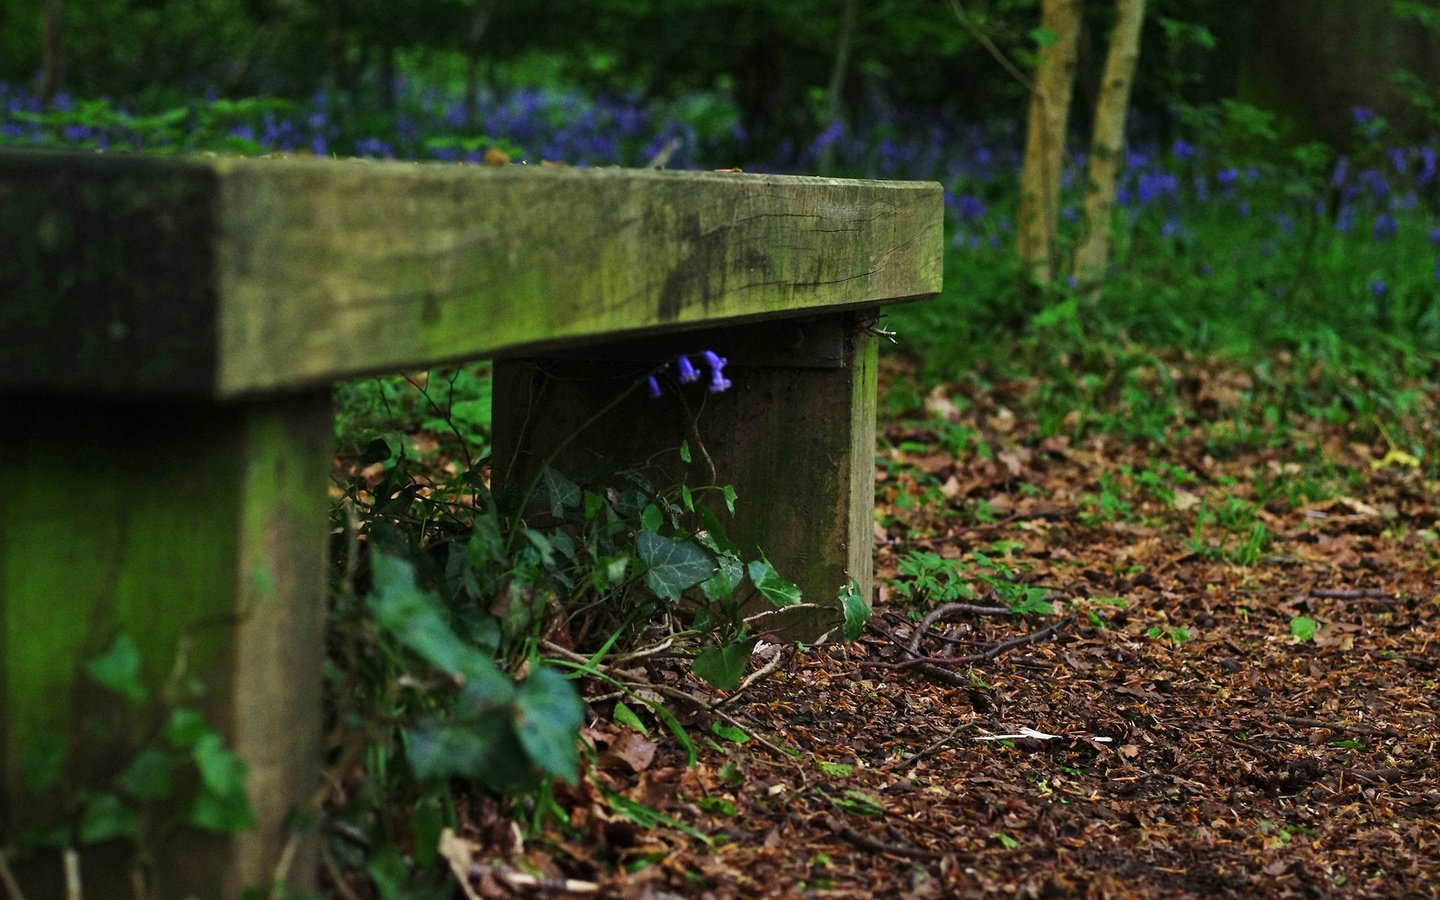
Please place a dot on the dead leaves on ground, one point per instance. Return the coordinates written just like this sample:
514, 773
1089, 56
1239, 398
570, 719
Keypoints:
1203, 727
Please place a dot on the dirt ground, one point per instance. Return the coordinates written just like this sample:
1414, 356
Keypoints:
1214, 709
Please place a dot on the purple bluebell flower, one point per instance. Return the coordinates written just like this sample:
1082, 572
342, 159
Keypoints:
1374, 179
1398, 159
1227, 177
1151, 185
688, 372
1363, 115
1377, 287
1182, 150
969, 208
1346, 219
1435, 236
716, 362
1170, 228
1341, 171
652, 386
832, 133
1427, 165
1385, 227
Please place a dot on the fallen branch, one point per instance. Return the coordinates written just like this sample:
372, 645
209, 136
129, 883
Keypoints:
874, 846
973, 657
930, 747
1352, 594
1338, 726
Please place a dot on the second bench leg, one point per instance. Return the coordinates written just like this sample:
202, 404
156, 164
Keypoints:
796, 441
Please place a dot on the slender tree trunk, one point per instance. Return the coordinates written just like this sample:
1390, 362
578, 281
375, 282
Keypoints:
834, 106
1045, 139
53, 52
1107, 143
479, 24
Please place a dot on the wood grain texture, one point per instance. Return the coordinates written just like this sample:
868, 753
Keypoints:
228, 277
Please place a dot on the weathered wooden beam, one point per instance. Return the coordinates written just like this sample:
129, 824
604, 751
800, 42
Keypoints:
226, 277
797, 442
199, 532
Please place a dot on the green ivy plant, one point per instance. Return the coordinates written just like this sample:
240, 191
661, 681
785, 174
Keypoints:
178, 771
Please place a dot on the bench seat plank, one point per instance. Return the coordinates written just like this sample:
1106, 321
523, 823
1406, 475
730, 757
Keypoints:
226, 277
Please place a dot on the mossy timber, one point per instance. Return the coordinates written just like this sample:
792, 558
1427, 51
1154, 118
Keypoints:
168, 330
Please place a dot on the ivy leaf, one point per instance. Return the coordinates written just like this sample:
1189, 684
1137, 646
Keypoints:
414, 618
776, 589
43, 762
671, 565
118, 669
561, 492
857, 610
724, 666
106, 818
186, 728
548, 716
149, 776
221, 806
722, 584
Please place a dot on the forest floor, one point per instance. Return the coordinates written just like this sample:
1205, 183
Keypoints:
1236, 694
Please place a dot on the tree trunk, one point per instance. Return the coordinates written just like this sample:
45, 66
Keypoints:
479, 24
1045, 139
834, 107
1108, 142
53, 61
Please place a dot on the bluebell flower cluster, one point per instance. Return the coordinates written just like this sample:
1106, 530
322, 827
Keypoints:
688, 373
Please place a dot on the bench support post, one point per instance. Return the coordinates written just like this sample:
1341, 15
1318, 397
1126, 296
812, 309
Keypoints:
198, 532
795, 436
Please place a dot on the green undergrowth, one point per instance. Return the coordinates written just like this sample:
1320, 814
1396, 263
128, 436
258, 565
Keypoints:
465, 620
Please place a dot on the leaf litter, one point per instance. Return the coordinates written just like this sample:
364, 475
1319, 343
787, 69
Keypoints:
1235, 694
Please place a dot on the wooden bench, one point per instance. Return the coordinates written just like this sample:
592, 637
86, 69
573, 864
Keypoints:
170, 330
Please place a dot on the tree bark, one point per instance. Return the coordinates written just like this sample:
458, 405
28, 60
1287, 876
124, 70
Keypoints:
1045, 139
53, 53
1107, 143
479, 24
834, 107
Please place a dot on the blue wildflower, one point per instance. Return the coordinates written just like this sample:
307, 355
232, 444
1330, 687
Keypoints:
1182, 150
688, 372
1377, 287
1385, 227
652, 386
1342, 170
1227, 177
716, 362
970, 208
1346, 219
1435, 236
1155, 184
1374, 179
1363, 115
1398, 160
